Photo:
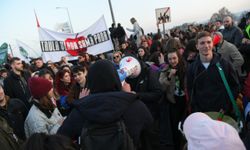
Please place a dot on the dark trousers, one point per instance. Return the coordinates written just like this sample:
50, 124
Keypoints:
171, 115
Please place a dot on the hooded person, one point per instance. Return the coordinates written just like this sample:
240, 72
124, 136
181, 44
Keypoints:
204, 133
106, 104
43, 115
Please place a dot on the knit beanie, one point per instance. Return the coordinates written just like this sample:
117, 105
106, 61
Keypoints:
39, 87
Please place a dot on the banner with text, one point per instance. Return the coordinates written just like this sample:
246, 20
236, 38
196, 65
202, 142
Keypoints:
94, 40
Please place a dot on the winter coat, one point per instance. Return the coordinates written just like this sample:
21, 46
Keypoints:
205, 86
106, 108
147, 87
37, 121
233, 35
168, 85
231, 54
14, 87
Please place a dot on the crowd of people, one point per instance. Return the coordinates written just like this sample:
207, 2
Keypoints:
49, 105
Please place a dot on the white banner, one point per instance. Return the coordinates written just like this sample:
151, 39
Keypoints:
94, 40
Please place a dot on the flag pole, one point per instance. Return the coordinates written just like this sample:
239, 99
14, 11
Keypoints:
37, 22
11, 51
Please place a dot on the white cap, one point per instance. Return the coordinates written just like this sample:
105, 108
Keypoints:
204, 133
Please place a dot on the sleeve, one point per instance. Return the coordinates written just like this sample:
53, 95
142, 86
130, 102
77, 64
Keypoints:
190, 80
130, 30
236, 57
238, 36
72, 125
8, 89
163, 79
153, 92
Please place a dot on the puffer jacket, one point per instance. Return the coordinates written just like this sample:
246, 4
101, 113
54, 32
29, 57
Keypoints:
37, 121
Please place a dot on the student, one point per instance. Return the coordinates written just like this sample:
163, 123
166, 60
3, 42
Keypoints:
106, 104
43, 115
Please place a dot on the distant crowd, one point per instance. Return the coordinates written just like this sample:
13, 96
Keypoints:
191, 81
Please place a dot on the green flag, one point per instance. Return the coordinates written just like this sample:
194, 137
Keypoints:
23, 52
3, 53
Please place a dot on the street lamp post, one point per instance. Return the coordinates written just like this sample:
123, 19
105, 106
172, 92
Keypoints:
111, 10
71, 27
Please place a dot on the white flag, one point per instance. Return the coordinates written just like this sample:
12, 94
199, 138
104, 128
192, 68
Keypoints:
24, 52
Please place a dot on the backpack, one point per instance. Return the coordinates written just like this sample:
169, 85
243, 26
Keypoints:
112, 136
8, 140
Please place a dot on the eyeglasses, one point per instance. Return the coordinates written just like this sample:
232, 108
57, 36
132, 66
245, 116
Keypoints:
116, 57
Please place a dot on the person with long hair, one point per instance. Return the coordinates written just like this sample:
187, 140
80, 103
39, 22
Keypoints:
78, 89
63, 82
172, 79
43, 115
142, 54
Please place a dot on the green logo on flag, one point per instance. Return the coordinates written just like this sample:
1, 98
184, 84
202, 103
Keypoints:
23, 52
3, 53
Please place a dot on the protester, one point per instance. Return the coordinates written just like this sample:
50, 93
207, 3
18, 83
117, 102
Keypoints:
120, 34
3, 75
158, 62
43, 115
204, 83
64, 61
172, 79
107, 103
142, 54
15, 113
232, 33
117, 56
137, 31
228, 51
63, 82
147, 87
15, 85
77, 91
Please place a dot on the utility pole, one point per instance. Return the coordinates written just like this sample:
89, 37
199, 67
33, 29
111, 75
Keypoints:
71, 27
111, 10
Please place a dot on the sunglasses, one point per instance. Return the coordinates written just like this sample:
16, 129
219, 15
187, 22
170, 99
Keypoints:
116, 57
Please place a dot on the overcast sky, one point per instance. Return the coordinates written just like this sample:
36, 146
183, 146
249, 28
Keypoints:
18, 20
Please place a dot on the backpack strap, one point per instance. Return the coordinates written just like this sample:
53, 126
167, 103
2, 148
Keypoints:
229, 92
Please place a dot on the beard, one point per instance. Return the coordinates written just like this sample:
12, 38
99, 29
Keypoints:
19, 69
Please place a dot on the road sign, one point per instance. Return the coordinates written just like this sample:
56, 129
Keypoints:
162, 15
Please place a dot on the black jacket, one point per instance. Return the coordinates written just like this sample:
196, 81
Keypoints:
205, 86
14, 87
233, 35
147, 87
106, 108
